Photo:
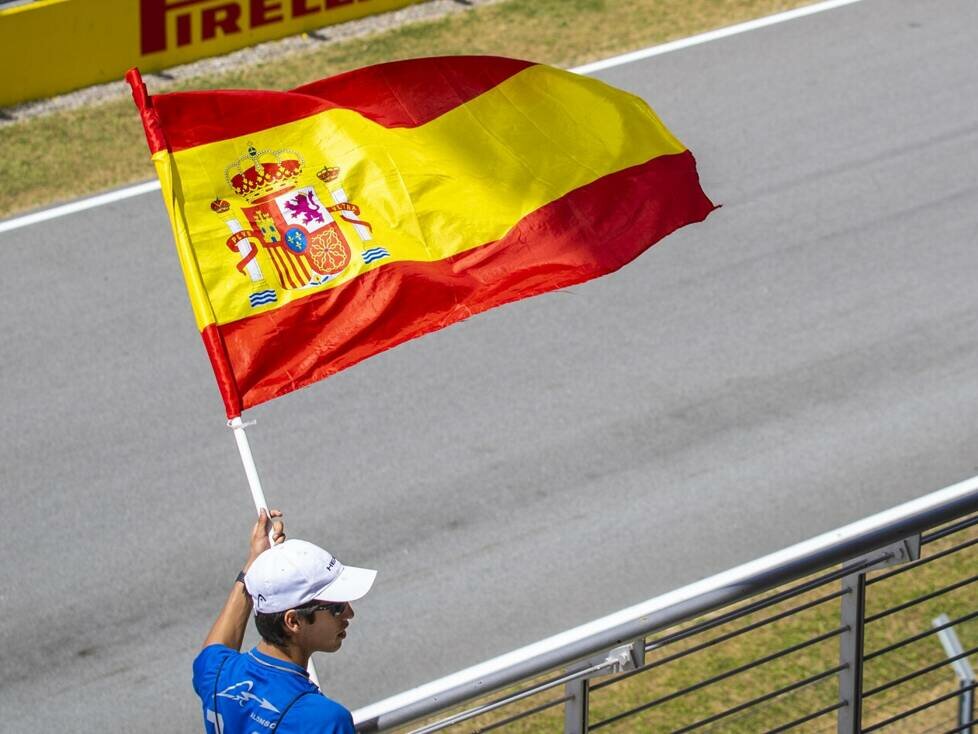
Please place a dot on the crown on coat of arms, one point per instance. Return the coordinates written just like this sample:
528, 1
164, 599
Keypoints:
328, 173
261, 172
220, 206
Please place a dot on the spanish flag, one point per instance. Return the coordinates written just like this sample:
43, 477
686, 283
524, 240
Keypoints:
320, 226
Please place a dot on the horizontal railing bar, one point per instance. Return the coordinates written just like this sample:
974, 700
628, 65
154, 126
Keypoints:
733, 672
507, 700
880, 705
961, 727
702, 597
923, 561
540, 687
770, 601
919, 636
761, 699
917, 709
808, 717
917, 673
753, 664
951, 529
720, 638
523, 714
920, 599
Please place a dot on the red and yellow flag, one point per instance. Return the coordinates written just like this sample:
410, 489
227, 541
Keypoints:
320, 226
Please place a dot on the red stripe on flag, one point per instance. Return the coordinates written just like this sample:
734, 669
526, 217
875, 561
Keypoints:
218, 355
591, 231
397, 94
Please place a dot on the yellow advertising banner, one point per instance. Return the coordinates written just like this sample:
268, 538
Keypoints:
50, 47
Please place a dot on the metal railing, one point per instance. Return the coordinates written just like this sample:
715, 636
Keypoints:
835, 633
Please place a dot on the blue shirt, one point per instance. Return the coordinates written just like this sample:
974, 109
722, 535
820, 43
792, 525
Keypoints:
254, 691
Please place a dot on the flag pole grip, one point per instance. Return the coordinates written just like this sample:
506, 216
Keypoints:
258, 495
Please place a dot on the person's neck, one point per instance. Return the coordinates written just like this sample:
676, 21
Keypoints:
291, 654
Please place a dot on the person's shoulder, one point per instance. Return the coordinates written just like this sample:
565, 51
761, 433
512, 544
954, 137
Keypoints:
207, 662
322, 715
213, 654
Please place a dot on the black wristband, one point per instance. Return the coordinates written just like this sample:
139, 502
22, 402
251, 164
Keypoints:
241, 575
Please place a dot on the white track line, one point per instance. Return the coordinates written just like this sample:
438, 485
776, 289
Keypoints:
143, 188
80, 205
732, 30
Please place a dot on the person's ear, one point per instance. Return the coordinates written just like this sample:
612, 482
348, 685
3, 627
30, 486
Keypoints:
291, 621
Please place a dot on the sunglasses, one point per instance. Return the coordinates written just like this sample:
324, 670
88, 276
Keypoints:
335, 608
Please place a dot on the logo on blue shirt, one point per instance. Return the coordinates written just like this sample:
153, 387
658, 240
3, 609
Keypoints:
241, 692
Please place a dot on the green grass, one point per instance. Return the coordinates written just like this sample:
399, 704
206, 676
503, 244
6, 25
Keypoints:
75, 152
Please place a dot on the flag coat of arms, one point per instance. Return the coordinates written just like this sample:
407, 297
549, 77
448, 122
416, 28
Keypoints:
319, 226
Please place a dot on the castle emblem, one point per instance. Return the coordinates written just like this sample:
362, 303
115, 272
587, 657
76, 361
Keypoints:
298, 230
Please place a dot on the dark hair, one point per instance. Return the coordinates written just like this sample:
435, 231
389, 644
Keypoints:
271, 626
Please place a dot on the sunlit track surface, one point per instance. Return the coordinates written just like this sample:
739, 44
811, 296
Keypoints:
805, 357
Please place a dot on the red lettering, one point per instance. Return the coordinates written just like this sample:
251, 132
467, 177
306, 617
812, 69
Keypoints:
157, 18
152, 26
261, 12
300, 8
154, 16
224, 17
184, 36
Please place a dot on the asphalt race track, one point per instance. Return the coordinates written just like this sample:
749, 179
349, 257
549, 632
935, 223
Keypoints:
805, 357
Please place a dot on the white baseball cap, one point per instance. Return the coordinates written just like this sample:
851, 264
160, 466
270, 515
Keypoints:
292, 573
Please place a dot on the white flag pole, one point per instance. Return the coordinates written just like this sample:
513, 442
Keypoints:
257, 494
251, 471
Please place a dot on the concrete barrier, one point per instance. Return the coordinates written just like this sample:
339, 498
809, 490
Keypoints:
49, 47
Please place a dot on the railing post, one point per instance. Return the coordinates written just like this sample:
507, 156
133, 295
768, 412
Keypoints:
966, 708
617, 660
638, 652
576, 707
853, 614
851, 653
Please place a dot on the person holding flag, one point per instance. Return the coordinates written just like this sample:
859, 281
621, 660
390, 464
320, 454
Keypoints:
301, 595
